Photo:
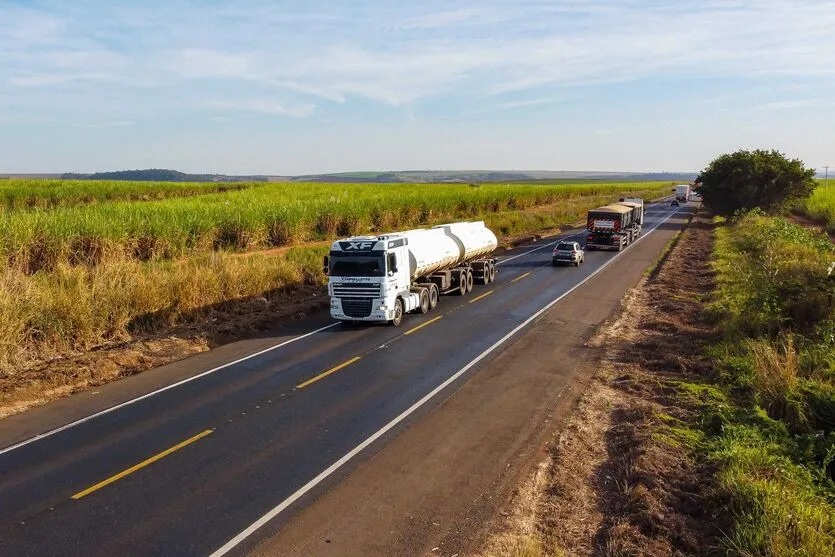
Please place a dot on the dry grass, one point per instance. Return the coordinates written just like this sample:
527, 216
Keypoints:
520, 538
777, 380
620, 479
74, 309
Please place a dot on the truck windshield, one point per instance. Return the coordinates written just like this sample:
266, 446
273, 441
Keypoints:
357, 266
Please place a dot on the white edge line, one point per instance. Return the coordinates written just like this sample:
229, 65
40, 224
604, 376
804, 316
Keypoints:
231, 544
156, 392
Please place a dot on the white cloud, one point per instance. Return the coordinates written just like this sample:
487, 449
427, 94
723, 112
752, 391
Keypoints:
48, 80
781, 105
264, 106
452, 18
26, 27
194, 62
106, 124
517, 104
498, 46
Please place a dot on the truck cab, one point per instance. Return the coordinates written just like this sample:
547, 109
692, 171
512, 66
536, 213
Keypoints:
369, 279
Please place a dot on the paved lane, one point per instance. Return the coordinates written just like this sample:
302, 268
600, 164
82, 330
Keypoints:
184, 471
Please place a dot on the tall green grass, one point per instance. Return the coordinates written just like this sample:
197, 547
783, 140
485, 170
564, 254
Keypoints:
26, 194
267, 216
821, 206
771, 435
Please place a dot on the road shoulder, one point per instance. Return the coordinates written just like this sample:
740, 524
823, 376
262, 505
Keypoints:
617, 479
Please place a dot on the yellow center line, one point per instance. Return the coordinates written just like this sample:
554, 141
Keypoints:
422, 325
141, 465
325, 374
477, 298
520, 277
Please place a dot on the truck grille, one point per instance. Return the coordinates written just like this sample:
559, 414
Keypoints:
353, 289
356, 307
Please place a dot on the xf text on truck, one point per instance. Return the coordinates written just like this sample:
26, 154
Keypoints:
379, 278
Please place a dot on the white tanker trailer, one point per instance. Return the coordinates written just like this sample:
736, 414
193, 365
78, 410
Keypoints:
379, 278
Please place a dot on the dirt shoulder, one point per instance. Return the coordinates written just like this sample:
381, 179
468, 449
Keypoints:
615, 481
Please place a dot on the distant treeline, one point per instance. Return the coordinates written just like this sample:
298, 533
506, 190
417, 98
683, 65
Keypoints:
412, 177
160, 175
409, 177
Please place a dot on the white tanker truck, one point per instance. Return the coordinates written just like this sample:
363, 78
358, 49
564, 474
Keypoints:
379, 278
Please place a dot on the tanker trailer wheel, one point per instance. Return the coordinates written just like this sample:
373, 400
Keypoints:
492, 272
469, 281
433, 296
424, 300
462, 283
398, 313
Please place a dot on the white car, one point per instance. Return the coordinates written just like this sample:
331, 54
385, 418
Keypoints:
568, 253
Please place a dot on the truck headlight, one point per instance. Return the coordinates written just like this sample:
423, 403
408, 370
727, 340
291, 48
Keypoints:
383, 307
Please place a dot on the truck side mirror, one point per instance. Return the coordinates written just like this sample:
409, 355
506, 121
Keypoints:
392, 262
326, 265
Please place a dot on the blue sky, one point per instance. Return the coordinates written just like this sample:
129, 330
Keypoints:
311, 86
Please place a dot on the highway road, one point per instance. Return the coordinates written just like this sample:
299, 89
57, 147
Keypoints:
223, 458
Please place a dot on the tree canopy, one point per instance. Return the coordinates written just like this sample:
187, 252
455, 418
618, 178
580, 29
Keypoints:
748, 179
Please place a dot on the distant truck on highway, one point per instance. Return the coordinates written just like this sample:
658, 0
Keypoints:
683, 192
615, 226
380, 278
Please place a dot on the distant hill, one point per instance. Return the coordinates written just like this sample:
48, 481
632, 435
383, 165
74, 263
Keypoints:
468, 176
413, 176
161, 175
383, 177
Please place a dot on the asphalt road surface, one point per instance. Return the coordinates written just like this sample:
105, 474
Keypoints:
215, 453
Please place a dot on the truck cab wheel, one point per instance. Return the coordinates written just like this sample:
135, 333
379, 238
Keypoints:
424, 300
398, 313
433, 296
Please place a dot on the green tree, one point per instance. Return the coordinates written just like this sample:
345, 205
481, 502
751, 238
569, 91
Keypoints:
748, 179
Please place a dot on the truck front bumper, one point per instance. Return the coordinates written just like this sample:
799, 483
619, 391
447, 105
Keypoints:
378, 312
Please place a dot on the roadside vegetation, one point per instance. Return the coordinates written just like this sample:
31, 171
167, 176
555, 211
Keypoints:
821, 206
77, 278
744, 180
770, 429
